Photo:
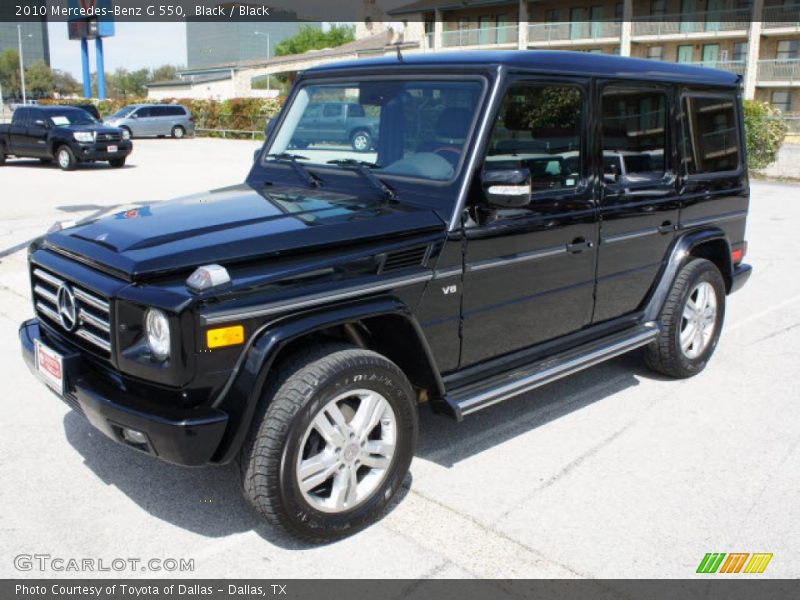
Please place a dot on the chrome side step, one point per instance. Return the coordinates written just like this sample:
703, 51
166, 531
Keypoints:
474, 397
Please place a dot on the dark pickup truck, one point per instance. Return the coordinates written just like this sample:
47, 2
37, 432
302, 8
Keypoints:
298, 322
66, 134
336, 123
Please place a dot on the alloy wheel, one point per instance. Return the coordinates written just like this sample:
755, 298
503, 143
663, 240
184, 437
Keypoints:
346, 451
699, 320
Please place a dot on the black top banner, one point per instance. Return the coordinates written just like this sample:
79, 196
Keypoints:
308, 10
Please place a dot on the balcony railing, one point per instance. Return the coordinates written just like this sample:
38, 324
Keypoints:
781, 17
732, 66
572, 31
700, 22
482, 36
779, 70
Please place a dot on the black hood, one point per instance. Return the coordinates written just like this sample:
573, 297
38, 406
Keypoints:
234, 224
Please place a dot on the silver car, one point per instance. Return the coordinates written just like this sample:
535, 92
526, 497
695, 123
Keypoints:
143, 120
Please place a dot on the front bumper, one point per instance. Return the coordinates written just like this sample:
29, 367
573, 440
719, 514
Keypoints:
99, 152
178, 435
741, 273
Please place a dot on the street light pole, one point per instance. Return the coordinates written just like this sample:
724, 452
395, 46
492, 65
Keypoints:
21, 64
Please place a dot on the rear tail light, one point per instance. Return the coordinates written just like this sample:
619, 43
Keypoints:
737, 254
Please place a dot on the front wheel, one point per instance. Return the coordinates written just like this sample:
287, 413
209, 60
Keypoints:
334, 444
117, 163
66, 158
691, 321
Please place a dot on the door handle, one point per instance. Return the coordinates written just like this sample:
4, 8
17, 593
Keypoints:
666, 227
579, 245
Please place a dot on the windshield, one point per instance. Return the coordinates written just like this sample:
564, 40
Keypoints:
412, 128
71, 116
123, 112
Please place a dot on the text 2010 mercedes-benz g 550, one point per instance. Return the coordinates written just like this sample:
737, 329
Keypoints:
523, 215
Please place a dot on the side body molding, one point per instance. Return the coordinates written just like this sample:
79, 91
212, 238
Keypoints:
681, 248
241, 395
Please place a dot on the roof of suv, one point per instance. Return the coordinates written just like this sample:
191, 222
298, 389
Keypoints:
553, 61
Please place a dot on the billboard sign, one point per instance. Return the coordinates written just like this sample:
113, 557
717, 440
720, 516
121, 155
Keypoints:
90, 19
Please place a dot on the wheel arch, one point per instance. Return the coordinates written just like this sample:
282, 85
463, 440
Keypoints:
711, 243
360, 323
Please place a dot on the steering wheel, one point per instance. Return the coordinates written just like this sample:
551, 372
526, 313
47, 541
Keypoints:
443, 150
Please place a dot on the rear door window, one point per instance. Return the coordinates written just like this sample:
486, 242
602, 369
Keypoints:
634, 134
711, 141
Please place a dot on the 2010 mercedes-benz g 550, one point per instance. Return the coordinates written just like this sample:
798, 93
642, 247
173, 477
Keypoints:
523, 215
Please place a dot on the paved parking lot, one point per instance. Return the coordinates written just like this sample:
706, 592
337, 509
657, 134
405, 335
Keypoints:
611, 473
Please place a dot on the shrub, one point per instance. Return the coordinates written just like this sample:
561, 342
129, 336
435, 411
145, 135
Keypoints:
242, 114
765, 129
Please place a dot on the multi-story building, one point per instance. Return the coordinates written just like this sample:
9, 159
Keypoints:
759, 39
35, 40
231, 42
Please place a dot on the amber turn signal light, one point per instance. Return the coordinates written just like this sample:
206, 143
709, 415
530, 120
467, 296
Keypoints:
225, 336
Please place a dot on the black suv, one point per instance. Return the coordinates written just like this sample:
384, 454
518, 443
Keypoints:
524, 215
67, 134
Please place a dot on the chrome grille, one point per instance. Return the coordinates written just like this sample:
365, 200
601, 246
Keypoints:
93, 313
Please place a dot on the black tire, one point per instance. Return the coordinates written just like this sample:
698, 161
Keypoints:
2, 156
665, 354
117, 163
304, 385
178, 132
361, 141
66, 158
127, 134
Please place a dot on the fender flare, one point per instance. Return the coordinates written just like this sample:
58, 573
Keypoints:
242, 393
681, 248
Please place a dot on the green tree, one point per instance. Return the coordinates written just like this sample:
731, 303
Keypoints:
164, 73
313, 38
9, 72
39, 80
65, 84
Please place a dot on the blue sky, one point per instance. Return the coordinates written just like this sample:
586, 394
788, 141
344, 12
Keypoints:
135, 45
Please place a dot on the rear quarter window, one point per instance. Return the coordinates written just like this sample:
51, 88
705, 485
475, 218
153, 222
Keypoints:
711, 141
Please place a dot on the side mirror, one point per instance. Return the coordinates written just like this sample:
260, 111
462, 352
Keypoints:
256, 154
134, 116
507, 188
611, 173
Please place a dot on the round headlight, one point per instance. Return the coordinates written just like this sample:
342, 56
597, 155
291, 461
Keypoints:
156, 327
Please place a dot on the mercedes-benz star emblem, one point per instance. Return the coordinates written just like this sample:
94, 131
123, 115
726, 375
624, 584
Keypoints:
66, 307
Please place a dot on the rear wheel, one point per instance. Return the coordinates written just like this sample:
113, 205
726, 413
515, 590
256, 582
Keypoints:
361, 141
333, 446
691, 321
117, 162
178, 132
66, 158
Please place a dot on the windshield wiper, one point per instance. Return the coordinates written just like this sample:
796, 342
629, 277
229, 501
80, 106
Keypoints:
292, 159
360, 167
352, 162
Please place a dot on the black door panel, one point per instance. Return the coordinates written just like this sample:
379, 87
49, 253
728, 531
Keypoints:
639, 204
530, 270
